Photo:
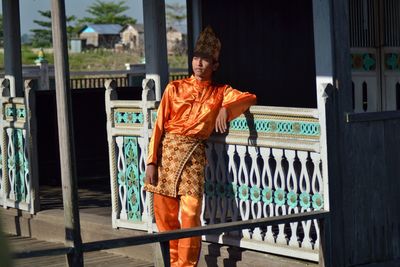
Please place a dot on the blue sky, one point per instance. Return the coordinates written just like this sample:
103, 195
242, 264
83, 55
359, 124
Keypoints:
29, 8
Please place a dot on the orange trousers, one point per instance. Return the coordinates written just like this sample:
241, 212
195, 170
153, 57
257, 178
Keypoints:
185, 251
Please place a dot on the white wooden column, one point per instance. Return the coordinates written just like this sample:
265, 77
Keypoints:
12, 47
323, 75
155, 40
324, 78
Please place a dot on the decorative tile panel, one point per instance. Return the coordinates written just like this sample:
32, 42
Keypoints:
276, 125
128, 117
14, 112
392, 61
363, 62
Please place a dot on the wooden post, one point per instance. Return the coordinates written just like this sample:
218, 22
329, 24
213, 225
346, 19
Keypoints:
110, 95
155, 44
12, 47
4, 92
30, 107
193, 10
338, 101
324, 82
65, 134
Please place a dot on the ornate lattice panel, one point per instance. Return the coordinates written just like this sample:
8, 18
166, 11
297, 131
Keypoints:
247, 182
19, 185
17, 165
130, 179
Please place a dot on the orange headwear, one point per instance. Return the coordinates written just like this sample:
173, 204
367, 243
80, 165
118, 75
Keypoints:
208, 45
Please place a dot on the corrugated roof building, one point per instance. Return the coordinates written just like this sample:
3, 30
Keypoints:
100, 35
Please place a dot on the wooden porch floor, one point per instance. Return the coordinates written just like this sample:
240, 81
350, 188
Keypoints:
95, 213
92, 194
91, 259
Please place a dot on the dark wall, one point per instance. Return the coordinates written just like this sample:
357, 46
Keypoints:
267, 48
371, 186
91, 148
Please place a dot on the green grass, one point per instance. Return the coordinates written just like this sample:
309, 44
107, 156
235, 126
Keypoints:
101, 60
28, 56
178, 62
94, 60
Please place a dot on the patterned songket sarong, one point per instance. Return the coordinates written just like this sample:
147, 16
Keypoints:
180, 186
181, 167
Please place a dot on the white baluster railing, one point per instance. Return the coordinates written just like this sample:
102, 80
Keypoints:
128, 132
278, 176
268, 165
19, 181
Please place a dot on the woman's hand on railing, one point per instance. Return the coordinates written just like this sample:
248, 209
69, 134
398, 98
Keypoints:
151, 174
221, 121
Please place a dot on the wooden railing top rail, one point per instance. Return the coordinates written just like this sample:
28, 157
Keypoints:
34, 71
165, 237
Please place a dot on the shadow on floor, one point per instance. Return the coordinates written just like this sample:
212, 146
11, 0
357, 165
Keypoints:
93, 192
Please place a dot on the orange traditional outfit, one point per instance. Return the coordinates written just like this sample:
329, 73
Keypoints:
185, 119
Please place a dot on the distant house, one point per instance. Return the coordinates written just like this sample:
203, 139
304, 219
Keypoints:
176, 43
101, 35
132, 37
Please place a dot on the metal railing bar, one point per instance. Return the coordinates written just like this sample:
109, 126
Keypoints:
43, 252
202, 230
164, 237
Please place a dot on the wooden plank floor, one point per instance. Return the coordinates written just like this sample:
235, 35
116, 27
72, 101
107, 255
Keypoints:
91, 259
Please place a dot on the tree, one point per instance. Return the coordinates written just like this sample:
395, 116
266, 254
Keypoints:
108, 13
175, 13
42, 37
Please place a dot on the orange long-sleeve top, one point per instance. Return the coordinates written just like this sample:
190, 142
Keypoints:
190, 107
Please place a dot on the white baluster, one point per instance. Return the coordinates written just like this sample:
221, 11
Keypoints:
26, 174
233, 178
304, 176
293, 239
317, 183
121, 169
205, 202
211, 201
316, 242
305, 186
307, 242
267, 182
255, 180
291, 176
317, 187
142, 170
266, 172
292, 187
243, 176
281, 236
279, 183
11, 155
220, 175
